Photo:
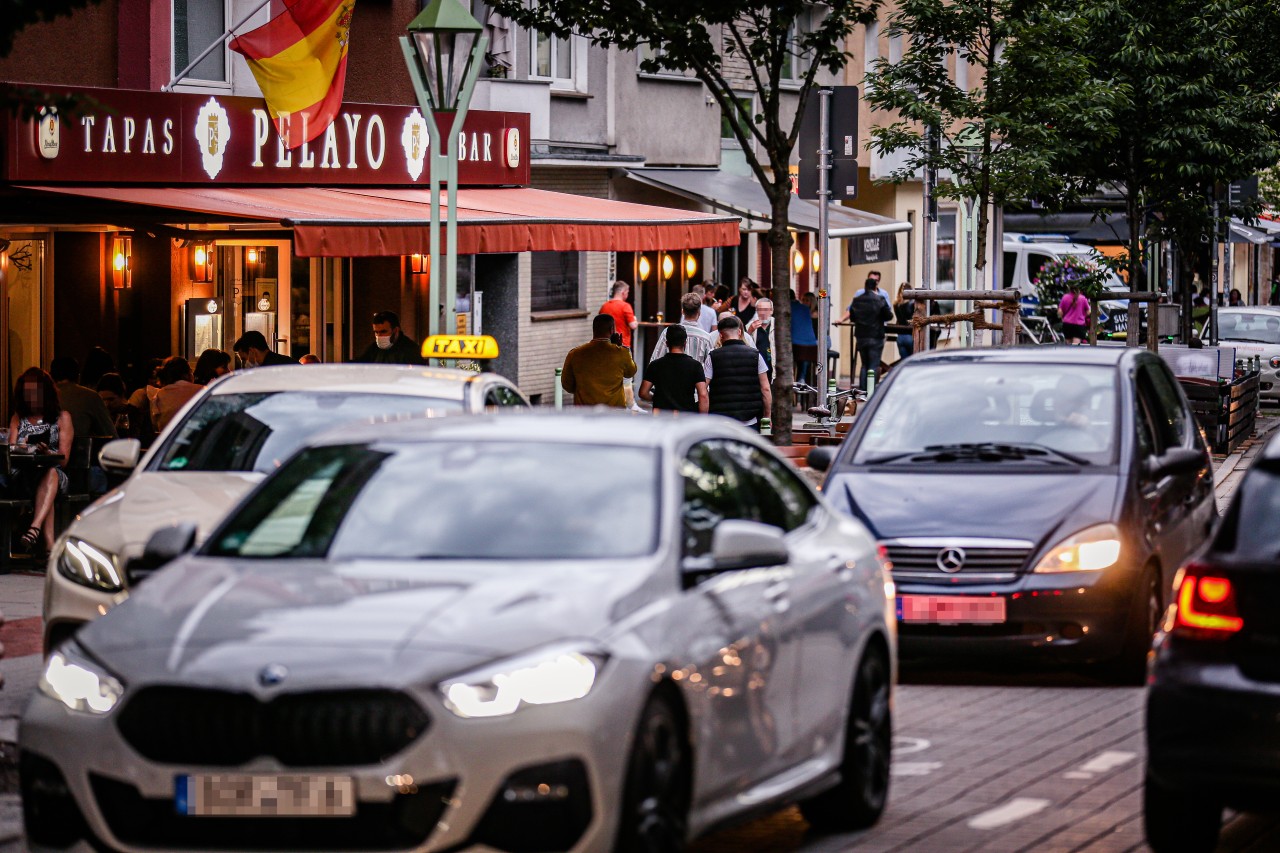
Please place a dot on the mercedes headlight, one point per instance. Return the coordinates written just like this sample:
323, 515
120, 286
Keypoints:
89, 565
1092, 549
554, 675
79, 684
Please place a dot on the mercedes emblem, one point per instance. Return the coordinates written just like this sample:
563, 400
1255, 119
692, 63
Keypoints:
950, 560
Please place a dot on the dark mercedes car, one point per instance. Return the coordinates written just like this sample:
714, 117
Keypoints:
1032, 501
1215, 686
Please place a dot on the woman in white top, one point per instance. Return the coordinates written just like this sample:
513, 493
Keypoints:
38, 419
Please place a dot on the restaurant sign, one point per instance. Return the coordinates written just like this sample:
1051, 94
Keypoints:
162, 138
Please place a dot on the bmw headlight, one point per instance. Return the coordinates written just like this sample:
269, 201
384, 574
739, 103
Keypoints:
1092, 549
89, 565
553, 675
79, 684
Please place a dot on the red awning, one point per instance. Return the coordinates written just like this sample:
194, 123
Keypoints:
342, 222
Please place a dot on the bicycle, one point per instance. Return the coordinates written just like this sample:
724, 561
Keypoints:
827, 417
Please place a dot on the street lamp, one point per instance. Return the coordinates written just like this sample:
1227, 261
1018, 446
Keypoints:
443, 51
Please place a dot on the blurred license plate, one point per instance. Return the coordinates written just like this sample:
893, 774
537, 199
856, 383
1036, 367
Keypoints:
953, 609
244, 795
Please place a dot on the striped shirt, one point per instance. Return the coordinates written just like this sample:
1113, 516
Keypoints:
697, 347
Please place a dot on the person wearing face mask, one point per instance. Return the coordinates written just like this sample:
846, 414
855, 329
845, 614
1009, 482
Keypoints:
390, 345
254, 352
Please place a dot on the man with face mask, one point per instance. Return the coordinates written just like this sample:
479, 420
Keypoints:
254, 352
390, 345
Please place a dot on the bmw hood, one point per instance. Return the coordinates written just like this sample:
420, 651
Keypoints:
221, 622
989, 503
123, 520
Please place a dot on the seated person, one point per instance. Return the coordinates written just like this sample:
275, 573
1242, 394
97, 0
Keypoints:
1072, 427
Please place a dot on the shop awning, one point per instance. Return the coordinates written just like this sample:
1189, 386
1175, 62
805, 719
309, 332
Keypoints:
349, 222
745, 197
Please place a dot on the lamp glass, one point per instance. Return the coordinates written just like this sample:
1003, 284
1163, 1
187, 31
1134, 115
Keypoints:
668, 266
417, 264
121, 262
443, 35
644, 268
252, 256
690, 266
798, 261
815, 260
211, 306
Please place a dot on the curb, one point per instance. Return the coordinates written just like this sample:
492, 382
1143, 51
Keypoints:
1232, 462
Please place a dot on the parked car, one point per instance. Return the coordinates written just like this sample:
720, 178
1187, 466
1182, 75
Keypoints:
223, 443
1214, 693
1253, 330
542, 632
1034, 502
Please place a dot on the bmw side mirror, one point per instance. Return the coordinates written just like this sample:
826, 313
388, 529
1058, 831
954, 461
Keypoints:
165, 545
1176, 462
747, 545
820, 458
120, 456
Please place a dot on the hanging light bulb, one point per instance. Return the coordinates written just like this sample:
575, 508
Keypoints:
690, 265
668, 266
644, 268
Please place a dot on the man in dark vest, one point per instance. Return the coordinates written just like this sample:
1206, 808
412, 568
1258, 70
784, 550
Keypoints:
738, 377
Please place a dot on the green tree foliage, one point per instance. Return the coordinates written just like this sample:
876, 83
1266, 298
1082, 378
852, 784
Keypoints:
698, 36
1196, 108
1030, 95
18, 14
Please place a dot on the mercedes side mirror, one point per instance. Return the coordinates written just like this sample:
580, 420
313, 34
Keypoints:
747, 545
120, 456
1175, 462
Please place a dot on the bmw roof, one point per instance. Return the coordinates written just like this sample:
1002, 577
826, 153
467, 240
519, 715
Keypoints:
1061, 354
441, 383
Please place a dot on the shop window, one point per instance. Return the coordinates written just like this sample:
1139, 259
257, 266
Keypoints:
557, 281
196, 25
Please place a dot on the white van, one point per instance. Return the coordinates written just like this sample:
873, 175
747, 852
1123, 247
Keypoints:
1025, 254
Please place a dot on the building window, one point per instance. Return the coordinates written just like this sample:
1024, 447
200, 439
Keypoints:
871, 47
795, 64
196, 25
562, 60
962, 70
557, 281
742, 117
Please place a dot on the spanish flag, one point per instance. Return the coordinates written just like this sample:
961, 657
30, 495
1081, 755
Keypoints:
299, 59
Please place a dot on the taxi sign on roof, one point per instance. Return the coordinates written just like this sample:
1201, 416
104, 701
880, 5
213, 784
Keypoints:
460, 346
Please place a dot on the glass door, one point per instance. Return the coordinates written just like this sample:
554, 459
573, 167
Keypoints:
22, 274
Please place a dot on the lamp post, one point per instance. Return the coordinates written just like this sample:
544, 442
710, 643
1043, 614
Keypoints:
443, 51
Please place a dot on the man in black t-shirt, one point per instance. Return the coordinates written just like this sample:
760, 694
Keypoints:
675, 382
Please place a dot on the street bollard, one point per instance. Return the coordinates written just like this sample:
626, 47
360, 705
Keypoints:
559, 389
871, 383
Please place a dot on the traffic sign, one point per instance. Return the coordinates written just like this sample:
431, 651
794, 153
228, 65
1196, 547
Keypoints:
843, 136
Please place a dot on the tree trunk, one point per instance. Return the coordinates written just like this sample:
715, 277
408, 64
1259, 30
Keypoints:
779, 240
1133, 214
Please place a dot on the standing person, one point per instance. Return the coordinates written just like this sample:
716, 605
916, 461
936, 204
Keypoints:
884, 294
707, 317
390, 344
593, 373
676, 382
254, 352
699, 343
903, 310
176, 388
211, 364
804, 341
39, 420
88, 413
744, 306
760, 331
617, 307
870, 313
739, 380
720, 299
1074, 310
1234, 298
871, 276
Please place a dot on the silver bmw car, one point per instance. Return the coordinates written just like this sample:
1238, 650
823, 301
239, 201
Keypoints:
539, 632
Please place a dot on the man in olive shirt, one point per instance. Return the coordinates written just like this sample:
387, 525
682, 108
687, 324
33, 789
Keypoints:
593, 372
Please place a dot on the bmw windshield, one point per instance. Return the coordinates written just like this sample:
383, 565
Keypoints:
991, 412
439, 500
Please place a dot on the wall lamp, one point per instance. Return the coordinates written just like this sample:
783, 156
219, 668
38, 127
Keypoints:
668, 266
418, 264
201, 258
122, 262
690, 265
798, 262
643, 268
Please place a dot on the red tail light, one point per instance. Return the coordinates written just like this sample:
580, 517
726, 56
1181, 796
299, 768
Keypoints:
1206, 606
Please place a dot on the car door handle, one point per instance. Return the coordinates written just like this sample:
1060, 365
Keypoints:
840, 567
777, 591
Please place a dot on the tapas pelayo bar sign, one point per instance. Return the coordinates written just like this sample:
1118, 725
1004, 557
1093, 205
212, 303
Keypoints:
180, 138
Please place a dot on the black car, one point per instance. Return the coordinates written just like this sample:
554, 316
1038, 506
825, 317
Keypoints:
1214, 699
1033, 501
